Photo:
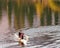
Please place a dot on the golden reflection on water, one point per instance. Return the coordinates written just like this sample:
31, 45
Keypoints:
22, 8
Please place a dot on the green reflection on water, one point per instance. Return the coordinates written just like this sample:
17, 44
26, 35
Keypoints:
4, 5
18, 16
46, 16
31, 13
10, 6
57, 2
42, 19
22, 9
56, 18
0, 10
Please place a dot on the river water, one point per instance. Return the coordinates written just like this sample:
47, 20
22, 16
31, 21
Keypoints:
40, 37
46, 37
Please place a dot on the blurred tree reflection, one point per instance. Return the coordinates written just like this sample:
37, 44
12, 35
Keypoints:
28, 8
10, 6
19, 15
0, 10
46, 18
31, 13
56, 18
4, 5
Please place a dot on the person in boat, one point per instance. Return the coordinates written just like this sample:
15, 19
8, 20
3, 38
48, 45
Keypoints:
22, 39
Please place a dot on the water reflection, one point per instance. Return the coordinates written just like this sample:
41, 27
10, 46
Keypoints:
0, 10
21, 14
28, 9
9, 10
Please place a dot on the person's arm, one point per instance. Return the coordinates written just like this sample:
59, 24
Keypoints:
17, 37
26, 37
